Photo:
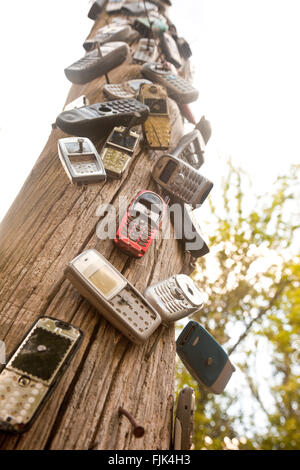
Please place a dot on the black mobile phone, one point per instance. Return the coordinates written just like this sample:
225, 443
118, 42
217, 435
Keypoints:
170, 50
187, 229
33, 371
96, 8
98, 119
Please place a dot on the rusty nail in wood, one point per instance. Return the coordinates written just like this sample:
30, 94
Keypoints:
138, 431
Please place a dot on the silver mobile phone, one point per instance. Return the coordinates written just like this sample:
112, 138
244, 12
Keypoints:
113, 295
110, 32
146, 51
33, 371
80, 160
181, 180
126, 90
184, 419
175, 298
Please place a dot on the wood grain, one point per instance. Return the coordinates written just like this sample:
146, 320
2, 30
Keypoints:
49, 223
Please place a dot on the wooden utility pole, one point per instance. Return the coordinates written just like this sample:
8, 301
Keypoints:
49, 223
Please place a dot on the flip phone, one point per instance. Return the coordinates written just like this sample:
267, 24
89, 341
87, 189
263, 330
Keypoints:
99, 118
175, 298
80, 160
157, 127
181, 180
146, 51
170, 50
33, 371
140, 223
93, 64
188, 230
178, 89
204, 358
190, 149
126, 90
119, 150
184, 419
111, 32
113, 295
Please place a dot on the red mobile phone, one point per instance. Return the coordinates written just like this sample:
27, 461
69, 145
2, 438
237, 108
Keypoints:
140, 223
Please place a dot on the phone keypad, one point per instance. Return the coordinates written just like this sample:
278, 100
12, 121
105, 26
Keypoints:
137, 230
186, 184
85, 168
115, 162
134, 310
172, 296
158, 132
118, 91
178, 82
19, 398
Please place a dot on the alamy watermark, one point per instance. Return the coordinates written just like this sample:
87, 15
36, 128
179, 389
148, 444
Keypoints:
110, 220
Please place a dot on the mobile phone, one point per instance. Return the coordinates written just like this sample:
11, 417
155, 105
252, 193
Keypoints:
178, 89
77, 103
113, 295
109, 33
204, 127
183, 48
170, 50
33, 371
129, 89
96, 8
119, 150
190, 149
80, 160
146, 51
184, 419
140, 223
138, 8
154, 27
175, 298
157, 127
204, 358
93, 64
98, 119
181, 180
188, 230
114, 6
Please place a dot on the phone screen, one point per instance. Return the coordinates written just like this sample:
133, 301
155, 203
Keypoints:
42, 354
106, 281
157, 106
167, 171
127, 141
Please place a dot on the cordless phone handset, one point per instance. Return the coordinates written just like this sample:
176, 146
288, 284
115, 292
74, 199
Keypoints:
113, 295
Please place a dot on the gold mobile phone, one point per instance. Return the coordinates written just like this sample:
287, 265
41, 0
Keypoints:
113, 295
157, 127
33, 371
119, 150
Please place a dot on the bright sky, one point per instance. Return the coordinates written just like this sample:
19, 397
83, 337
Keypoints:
246, 68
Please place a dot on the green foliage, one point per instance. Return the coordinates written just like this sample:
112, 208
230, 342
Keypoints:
252, 278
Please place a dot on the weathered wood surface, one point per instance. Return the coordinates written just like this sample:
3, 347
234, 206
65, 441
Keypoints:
50, 222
